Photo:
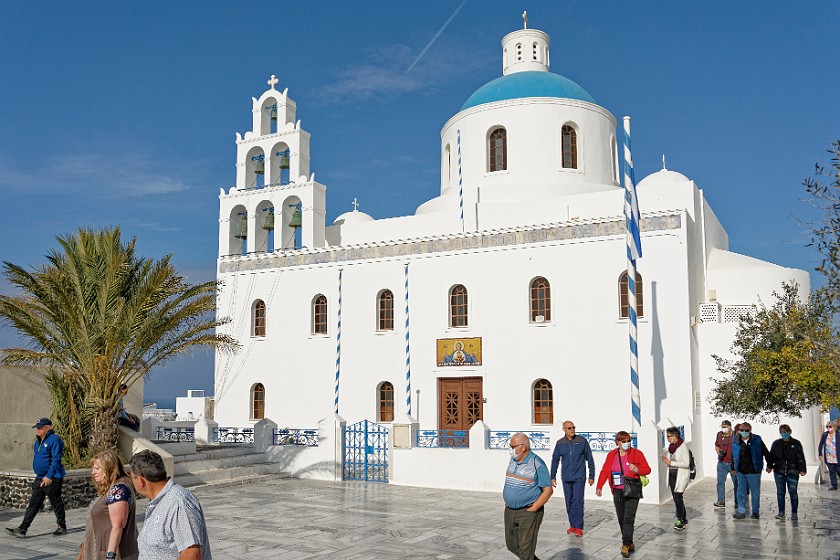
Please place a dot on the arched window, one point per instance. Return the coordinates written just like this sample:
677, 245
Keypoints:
534, 51
570, 155
386, 402
540, 300
259, 318
497, 149
543, 402
258, 402
624, 307
385, 311
319, 314
518, 52
447, 167
458, 306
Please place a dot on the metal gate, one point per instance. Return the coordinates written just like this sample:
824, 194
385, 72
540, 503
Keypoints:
366, 452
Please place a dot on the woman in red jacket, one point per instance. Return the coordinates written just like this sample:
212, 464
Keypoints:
624, 463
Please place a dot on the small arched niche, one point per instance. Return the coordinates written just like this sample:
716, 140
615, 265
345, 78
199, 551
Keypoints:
255, 168
269, 115
280, 163
264, 227
238, 231
288, 232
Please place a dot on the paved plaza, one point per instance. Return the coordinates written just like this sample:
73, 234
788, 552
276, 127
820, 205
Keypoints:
292, 519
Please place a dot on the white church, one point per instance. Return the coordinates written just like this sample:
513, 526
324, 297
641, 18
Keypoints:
499, 306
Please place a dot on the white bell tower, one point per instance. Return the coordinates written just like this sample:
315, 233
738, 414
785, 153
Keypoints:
525, 50
275, 204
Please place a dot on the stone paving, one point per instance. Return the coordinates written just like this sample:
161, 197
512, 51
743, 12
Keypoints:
290, 519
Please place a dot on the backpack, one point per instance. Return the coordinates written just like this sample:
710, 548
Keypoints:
692, 469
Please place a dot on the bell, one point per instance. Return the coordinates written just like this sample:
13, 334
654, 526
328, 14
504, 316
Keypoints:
268, 224
243, 228
260, 167
295, 222
284, 160
274, 112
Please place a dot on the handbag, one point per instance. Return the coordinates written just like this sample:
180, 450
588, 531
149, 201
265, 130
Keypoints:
632, 486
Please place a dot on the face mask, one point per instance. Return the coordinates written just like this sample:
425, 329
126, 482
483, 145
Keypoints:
625, 446
745, 434
724, 429
513, 452
785, 436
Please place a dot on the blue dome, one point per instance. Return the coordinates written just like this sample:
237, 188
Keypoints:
527, 84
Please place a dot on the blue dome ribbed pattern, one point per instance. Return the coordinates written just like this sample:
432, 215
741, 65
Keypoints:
527, 84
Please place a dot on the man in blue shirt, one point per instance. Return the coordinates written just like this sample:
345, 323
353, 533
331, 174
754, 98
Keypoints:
575, 453
527, 489
49, 476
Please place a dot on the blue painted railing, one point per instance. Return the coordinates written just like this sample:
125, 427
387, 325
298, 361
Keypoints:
501, 440
233, 435
443, 438
291, 436
175, 434
603, 442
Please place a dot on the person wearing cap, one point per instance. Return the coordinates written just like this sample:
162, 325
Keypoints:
723, 448
49, 476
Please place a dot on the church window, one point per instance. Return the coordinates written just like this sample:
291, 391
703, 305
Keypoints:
534, 51
543, 402
458, 306
570, 155
259, 318
447, 167
540, 300
518, 52
624, 306
258, 402
319, 314
385, 310
386, 402
497, 149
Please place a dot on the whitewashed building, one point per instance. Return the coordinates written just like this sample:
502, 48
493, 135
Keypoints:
499, 306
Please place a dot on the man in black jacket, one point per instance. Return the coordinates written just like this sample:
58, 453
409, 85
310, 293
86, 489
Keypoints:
787, 461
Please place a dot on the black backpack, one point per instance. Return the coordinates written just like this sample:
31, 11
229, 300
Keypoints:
692, 469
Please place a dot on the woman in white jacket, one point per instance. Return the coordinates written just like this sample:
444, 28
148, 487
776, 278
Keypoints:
678, 461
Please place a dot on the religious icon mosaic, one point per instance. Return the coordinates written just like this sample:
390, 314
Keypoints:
458, 352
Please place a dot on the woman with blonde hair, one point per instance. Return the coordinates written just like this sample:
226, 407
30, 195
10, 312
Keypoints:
110, 530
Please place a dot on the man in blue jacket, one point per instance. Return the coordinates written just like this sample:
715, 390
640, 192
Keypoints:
49, 476
748, 454
576, 454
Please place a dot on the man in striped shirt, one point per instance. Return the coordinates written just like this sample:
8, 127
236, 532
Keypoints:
527, 489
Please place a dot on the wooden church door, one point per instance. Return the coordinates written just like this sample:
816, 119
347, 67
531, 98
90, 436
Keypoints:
461, 403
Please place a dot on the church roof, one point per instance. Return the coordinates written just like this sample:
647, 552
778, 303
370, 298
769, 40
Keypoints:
527, 84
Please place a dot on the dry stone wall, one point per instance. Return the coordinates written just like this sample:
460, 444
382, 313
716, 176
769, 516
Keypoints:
78, 490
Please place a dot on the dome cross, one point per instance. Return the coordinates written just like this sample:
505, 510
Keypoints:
355, 204
272, 81
525, 18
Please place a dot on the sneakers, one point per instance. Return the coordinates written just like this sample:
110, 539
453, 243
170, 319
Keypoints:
571, 531
679, 525
794, 517
755, 516
779, 516
632, 547
625, 551
60, 531
578, 532
720, 504
739, 516
16, 532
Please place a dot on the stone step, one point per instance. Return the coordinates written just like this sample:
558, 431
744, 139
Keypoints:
227, 475
218, 451
241, 480
208, 464
189, 457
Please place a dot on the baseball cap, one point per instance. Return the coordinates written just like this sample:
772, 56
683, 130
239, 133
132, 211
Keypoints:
726, 423
43, 422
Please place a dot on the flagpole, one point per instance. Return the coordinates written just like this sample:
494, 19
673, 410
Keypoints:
634, 251
338, 342
460, 184
407, 349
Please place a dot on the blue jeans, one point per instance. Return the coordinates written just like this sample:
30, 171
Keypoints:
724, 470
751, 482
573, 492
791, 482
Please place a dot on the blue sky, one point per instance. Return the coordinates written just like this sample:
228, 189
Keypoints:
117, 114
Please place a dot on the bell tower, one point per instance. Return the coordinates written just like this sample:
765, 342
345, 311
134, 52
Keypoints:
525, 50
275, 203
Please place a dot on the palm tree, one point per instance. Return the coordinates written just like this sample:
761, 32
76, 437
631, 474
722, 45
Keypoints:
98, 316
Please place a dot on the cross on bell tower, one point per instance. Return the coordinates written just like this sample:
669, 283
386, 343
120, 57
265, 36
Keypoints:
272, 81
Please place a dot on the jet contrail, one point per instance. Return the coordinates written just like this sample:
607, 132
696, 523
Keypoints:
455, 13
